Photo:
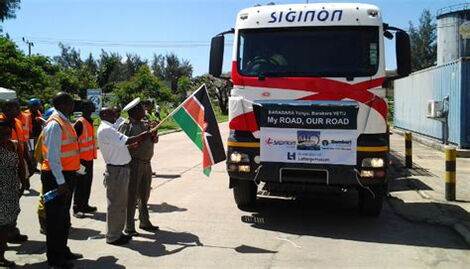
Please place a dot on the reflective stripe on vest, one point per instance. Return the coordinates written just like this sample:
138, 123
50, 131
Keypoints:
86, 141
26, 122
69, 150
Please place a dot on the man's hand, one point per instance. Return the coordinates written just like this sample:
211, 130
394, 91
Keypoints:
63, 189
138, 138
153, 124
155, 136
133, 146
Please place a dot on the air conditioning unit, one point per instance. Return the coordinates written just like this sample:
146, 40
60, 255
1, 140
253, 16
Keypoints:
434, 109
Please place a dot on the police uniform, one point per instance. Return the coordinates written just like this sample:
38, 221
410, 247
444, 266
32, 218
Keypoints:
140, 172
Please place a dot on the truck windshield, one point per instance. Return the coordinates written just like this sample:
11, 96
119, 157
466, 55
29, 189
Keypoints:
313, 51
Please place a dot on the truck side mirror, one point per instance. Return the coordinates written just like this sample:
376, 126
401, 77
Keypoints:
403, 53
216, 55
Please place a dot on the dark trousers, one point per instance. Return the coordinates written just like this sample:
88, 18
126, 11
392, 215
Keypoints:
57, 216
83, 187
140, 183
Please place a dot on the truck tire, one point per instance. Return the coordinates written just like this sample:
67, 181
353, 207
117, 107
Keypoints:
244, 193
370, 205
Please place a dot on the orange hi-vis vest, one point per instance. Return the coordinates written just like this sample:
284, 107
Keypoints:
86, 141
17, 131
69, 150
27, 123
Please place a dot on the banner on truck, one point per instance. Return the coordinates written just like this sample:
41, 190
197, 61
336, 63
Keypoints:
310, 134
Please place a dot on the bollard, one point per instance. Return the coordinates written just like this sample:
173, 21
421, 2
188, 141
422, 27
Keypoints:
408, 150
451, 156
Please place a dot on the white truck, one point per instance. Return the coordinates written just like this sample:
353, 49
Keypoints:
307, 111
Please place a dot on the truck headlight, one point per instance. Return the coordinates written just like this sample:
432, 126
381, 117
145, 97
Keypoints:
237, 157
373, 162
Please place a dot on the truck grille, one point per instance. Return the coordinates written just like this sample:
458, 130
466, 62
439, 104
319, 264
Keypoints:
304, 175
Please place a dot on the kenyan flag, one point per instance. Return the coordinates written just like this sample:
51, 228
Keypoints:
196, 117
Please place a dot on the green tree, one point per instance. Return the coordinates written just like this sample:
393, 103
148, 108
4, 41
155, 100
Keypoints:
170, 68
109, 71
69, 57
28, 76
76, 75
132, 65
8, 9
144, 85
91, 64
185, 86
423, 42
217, 88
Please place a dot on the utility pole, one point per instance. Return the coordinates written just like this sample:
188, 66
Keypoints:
30, 44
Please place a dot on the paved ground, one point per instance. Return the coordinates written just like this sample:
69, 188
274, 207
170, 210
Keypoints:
202, 228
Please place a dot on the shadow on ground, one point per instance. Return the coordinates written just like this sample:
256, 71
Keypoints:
398, 165
336, 217
163, 243
330, 219
166, 176
108, 262
82, 233
30, 247
165, 208
99, 216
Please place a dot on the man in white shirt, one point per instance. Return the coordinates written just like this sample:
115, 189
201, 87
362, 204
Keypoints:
114, 148
120, 120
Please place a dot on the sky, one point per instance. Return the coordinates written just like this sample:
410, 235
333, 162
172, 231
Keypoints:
147, 27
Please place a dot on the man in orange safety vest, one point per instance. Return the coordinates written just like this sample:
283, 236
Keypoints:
88, 152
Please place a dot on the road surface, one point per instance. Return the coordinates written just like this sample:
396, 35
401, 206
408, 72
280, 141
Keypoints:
202, 228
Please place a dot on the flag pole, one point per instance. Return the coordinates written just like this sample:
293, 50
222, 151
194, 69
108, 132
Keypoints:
154, 129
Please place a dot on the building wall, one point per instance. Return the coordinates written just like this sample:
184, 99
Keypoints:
412, 93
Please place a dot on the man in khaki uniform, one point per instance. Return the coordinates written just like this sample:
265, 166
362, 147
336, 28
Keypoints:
141, 170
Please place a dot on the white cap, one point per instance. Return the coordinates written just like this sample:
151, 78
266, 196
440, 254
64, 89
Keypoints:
132, 104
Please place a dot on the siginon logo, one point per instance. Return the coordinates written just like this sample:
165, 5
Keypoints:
274, 142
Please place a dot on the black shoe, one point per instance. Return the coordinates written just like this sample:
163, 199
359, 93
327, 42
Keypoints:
121, 241
73, 256
132, 233
18, 238
149, 228
62, 264
89, 209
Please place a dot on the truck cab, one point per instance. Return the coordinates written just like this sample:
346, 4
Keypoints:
308, 109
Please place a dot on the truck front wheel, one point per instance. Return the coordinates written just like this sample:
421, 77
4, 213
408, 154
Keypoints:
244, 193
371, 204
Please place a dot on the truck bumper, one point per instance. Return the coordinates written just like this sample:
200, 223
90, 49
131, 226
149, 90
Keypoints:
308, 174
